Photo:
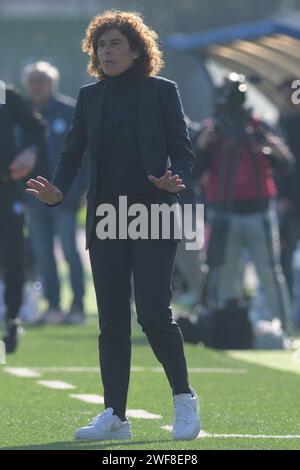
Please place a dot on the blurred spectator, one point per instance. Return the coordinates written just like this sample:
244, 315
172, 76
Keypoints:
238, 153
189, 262
13, 168
289, 187
41, 82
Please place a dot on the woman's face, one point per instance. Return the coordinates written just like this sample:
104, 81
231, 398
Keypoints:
114, 52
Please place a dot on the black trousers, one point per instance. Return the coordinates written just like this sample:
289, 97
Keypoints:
12, 258
152, 263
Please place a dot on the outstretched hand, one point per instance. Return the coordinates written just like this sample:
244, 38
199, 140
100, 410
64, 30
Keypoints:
170, 183
44, 191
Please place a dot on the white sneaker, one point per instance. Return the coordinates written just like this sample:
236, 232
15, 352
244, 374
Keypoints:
187, 420
104, 427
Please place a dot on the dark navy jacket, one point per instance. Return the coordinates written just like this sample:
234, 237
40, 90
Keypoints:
163, 137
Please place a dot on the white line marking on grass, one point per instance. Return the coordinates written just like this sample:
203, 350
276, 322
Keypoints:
204, 434
142, 414
216, 370
98, 400
66, 369
200, 435
196, 370
21, 372
89, 398
56, 384
254, 436
277, 360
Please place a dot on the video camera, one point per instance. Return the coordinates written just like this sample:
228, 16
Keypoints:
231, 95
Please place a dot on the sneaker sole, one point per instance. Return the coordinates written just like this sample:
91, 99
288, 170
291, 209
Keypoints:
193, 436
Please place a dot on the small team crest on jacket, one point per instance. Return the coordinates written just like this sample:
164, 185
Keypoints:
59, 126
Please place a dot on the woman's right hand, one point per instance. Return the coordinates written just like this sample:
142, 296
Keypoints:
44, 191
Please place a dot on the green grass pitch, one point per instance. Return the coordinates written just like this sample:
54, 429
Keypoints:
245, 397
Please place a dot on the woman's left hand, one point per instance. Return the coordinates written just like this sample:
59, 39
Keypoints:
170, 183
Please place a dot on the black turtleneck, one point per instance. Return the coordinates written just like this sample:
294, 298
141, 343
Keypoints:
120, 169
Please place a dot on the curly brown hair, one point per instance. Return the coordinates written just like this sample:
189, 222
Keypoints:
139, 35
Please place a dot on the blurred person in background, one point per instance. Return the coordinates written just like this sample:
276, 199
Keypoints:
189, 262
289, 185
238, 154
133, 125
41, 81
14, 167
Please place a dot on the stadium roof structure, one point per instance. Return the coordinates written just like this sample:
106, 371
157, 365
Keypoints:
269, 48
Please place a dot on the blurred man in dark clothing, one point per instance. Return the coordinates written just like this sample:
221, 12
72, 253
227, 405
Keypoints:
41, 81
13, 168
189, 262
289, 187
239, 152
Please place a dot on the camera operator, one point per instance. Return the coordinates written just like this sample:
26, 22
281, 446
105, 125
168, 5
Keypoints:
239, 153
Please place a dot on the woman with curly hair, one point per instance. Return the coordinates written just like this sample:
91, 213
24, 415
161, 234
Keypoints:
133, 125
